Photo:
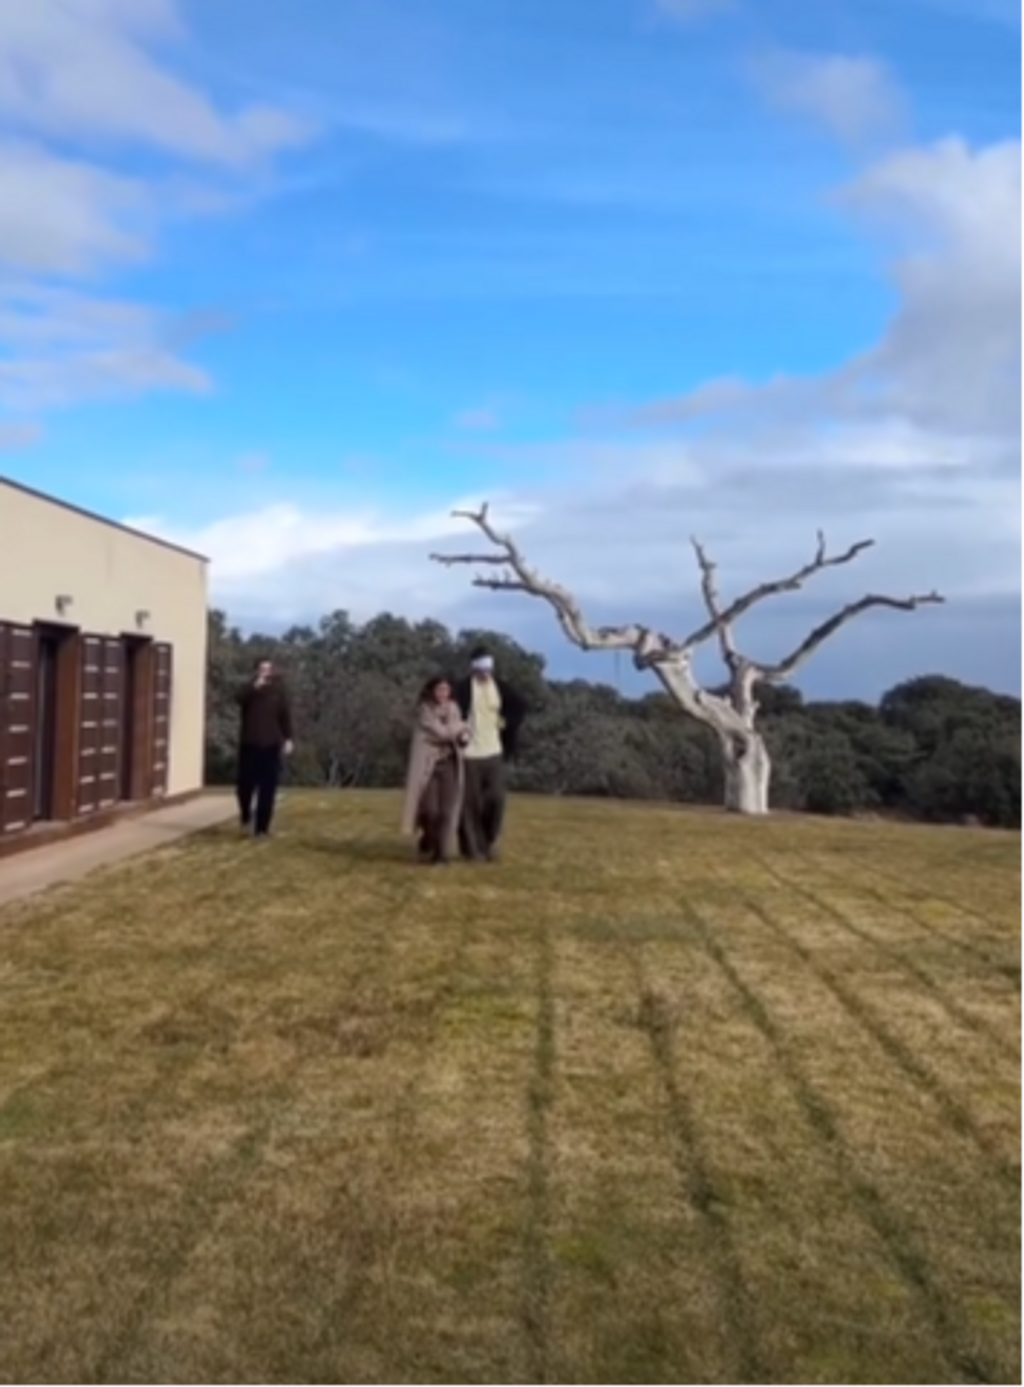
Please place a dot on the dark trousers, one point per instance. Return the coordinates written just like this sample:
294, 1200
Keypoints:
437, 808
483, 805
259, 770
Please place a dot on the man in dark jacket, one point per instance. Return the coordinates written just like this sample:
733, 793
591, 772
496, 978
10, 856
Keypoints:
495, 713
265, 736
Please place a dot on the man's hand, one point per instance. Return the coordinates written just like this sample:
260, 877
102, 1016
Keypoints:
288, 748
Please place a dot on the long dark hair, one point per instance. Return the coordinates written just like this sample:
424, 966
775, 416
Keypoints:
430, 688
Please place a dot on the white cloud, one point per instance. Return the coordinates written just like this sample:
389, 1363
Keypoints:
80, 83
626, 541
950, 197
251, 550
915, 442
624, 550
948, 365
67, 216
62, 346
854, 97
80, 70
952, 355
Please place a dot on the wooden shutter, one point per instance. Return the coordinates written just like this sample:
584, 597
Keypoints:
100, 724
111, 697
163, 679
17, 726
90, 718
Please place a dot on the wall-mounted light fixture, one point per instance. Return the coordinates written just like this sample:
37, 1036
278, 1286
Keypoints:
141, 617
62, 602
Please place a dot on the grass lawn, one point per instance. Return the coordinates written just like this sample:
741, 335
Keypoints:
664, 1097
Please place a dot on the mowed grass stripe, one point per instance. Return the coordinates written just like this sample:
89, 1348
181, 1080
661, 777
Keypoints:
974, 914
908, 1035
317, 1114
723, 938
948, 1332
963, 877
152, 1059
959, 1000
396, 1197
915, 1036
813, 1059
384, 1226
823, 1290
643, 1289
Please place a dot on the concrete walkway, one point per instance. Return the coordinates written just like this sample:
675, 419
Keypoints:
35, 869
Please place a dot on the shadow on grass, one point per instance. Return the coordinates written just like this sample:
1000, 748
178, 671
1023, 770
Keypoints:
397, 851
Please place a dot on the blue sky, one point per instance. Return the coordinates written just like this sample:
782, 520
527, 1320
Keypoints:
288, 290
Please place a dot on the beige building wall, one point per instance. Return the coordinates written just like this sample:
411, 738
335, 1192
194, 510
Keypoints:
50, 550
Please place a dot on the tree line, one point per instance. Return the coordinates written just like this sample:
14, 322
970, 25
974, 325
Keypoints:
932, 748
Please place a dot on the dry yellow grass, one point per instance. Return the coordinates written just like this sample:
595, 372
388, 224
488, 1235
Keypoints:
664, 1097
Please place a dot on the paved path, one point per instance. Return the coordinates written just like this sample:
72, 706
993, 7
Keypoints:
25, 873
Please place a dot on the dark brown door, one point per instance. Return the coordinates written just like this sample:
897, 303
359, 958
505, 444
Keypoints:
45, 740
129, 711
99, 739
137, 690
55, 661
17, 720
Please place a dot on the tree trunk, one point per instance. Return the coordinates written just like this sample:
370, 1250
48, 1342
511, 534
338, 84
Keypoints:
745, 758
748, 769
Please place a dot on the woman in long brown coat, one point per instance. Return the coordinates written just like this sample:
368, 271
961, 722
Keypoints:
434, 778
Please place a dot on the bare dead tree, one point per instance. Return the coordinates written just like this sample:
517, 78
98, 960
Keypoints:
733, 714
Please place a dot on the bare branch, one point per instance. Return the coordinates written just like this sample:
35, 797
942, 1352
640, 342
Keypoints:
647, 647
653, 650
732, 715
785, 668
792, 583
712, 600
